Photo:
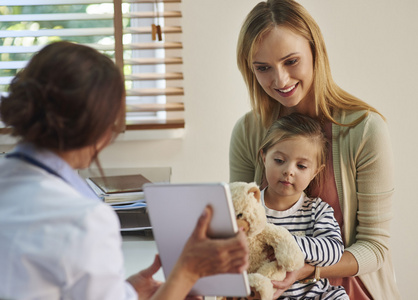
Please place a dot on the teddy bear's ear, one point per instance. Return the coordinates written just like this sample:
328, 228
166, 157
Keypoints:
256, 192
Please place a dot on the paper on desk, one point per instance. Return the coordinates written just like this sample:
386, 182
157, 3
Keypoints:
115, 197
129, 205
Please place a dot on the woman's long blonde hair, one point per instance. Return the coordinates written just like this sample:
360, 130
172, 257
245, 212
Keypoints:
328, 96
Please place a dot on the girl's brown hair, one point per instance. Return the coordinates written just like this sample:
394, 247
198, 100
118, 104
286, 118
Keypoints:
68, 97
328, 96
298, 125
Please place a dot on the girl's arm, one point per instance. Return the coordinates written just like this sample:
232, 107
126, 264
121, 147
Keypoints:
322, 245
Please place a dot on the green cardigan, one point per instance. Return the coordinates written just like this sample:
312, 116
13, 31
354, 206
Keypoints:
363, 170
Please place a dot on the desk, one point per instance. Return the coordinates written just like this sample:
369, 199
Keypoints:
139, 252
154, 174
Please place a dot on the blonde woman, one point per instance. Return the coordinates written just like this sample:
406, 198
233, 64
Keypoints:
282, 56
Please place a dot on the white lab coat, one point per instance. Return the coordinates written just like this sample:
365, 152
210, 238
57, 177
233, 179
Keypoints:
54, 242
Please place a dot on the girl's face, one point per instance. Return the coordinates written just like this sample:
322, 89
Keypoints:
290, 166
283, 66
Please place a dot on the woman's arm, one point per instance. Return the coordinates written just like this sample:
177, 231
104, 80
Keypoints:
243, 151
201, 257
241, 161
347, 265
366, 192
322, 245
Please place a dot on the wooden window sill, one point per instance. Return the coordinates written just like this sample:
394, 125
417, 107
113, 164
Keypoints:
128, 135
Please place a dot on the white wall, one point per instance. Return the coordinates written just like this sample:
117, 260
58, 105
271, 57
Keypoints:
373, 49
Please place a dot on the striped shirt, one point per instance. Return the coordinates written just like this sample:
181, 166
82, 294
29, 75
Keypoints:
312, 223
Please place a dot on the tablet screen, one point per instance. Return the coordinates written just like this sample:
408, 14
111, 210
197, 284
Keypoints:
174, 210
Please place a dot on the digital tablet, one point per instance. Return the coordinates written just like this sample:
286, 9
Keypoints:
174, 210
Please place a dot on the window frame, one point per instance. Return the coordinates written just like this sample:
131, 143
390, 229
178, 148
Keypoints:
174, 108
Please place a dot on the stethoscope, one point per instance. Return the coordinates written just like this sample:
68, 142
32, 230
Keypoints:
34, 162
26, 158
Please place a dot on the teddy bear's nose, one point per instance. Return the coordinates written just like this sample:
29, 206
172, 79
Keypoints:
243, 224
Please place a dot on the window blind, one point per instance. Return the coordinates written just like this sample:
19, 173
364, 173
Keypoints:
142, 36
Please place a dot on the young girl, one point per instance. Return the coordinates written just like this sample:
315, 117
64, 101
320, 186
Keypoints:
293, 154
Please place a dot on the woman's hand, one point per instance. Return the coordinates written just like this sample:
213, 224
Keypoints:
203, 256
146, 286
282, 286
143, 283
291, 277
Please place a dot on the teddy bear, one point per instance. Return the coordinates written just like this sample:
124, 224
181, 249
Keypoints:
251, 216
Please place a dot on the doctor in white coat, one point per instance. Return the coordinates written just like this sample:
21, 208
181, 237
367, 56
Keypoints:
57, 239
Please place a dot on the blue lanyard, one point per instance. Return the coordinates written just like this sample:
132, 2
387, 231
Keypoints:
34, 162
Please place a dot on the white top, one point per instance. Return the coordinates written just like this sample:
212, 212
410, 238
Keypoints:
55, 242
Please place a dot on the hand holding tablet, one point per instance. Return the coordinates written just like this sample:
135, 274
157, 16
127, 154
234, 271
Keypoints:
175, 211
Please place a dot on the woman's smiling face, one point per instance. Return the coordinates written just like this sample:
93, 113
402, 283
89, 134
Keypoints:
283, 66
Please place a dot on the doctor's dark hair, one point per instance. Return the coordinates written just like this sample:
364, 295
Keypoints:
293, 126
67, 97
